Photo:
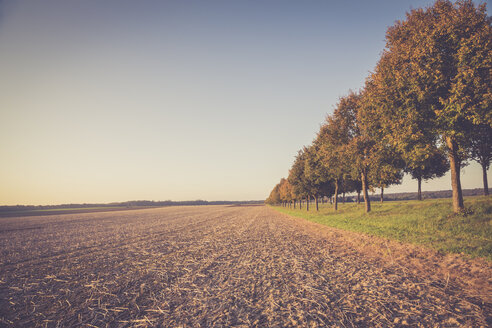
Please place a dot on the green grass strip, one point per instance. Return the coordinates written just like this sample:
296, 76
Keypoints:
429, 222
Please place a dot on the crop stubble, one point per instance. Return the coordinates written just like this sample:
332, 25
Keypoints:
219, 266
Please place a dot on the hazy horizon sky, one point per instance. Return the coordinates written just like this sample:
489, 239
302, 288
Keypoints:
121, 100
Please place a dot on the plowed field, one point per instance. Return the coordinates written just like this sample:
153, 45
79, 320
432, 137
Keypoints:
226, 266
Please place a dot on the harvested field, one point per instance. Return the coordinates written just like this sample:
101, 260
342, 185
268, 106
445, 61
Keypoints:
226, 266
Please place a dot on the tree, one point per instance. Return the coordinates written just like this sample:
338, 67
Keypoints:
333, 139
387, 168
412, 135
317, 173
274, 198
285, 191
354, 185
362, 149
437, 64
371, 155
349, 143
329, 154
434, 165
297, 177
481, 150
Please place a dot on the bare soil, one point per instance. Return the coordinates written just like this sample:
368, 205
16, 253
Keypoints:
62, 211
227, 266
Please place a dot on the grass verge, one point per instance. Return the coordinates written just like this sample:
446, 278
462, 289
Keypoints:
429, 222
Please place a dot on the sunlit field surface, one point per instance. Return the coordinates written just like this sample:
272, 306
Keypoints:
225, 266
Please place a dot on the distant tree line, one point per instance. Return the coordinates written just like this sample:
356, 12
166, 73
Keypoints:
425, 109
129, 204
413, 195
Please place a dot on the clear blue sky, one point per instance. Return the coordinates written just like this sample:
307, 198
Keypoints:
119, 100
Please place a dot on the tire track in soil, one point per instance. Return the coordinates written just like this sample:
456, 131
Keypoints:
241, 267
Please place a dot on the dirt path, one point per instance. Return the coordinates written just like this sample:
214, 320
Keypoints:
224, 266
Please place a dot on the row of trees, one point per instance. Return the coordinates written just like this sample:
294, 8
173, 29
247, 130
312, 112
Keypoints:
425, 109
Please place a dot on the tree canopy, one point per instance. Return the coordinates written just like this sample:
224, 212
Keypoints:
425, 109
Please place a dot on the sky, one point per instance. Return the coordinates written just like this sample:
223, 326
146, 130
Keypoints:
107, 101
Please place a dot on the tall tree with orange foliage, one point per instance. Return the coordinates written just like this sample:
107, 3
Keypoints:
297, 178
274, 197
333, 139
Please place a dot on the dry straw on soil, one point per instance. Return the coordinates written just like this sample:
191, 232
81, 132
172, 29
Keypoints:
221, 266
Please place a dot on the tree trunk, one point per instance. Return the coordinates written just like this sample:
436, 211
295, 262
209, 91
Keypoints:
300, 204
358, 196
382, 194
294, 203
343, 197
454, 162
307, 203
335, 199
367, 201
419, 190
316, 200
485, 183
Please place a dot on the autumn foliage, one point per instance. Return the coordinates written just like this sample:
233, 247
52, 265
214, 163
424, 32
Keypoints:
425, 109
